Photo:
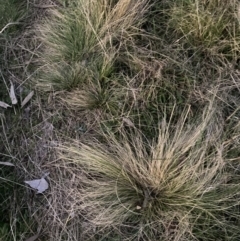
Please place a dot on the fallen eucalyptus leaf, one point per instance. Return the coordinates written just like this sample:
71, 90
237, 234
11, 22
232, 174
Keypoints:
40, 184
7, 164
12, 95
27, 98
4, 105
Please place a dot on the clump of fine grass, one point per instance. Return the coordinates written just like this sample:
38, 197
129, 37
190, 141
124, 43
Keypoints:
82, 41
207, 24
177, 187
89, 51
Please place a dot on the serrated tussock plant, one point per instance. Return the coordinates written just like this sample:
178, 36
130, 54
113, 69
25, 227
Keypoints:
82, 40
213, 25
177, 187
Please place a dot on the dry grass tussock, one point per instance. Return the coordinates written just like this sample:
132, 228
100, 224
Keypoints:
80, 45
84, 49
84, 40
177, 187
210, 24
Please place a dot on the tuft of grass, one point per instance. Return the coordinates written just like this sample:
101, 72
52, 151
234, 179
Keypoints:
90, 50
204, 23
177, 187
82, 41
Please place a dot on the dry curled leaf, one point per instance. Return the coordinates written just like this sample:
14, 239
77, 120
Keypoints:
12, 95
27, 98
4, 105
40, 185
